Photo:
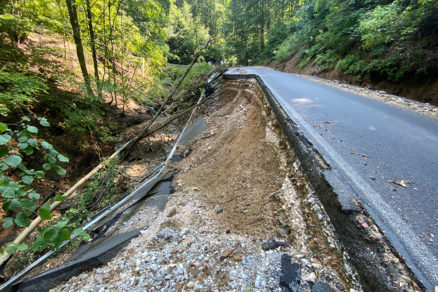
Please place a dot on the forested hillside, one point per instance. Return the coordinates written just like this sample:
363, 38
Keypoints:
391, 45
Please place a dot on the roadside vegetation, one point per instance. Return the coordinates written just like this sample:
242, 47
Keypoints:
72, 74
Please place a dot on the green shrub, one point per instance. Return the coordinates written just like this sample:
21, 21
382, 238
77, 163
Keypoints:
352, 64
17, 90
327, 60
16, 29
17, 145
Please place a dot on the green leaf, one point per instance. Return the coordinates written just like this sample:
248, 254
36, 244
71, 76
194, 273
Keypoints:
46, 145
47, 166
44, 122
52, 160
8, 193
39, 244
32, 142
27, 179
51, 234
22, 220
13, 160
28, 151
60, 198
81, 233
22, 246
4, 151
34, 196
45, 212
3, 127
11, 249
63, 158
14, 204
62, 224
23, 145
32, 129
23, 138
28, 206
61, 171
7, 222
25, 119
63, 235
4, 139
40, 174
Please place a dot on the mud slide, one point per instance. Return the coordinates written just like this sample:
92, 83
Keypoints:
243, 217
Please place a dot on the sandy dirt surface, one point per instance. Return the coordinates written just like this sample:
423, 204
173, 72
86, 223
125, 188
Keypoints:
237, 188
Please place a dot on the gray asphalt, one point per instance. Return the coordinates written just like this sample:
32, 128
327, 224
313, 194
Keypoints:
372, 143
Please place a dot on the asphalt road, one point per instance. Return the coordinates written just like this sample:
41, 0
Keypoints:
372, 143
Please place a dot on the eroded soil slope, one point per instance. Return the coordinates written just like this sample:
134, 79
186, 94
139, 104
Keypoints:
236, 189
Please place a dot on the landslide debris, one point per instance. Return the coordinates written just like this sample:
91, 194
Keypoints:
236, 193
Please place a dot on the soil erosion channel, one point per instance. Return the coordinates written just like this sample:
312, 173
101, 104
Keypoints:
237, 189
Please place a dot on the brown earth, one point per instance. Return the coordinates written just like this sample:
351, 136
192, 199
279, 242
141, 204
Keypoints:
239, 169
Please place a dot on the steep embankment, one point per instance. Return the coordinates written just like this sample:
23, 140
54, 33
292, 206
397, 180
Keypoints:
423, 90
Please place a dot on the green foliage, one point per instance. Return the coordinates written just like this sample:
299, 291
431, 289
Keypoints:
19, 198
327, 60
17, 90
185, 34
388, 39
84, 115
16, 29
352, 64
381, 26
98, 194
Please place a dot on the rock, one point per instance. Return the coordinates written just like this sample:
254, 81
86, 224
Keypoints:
220, 210
321, 287
167, 234
228, 231
226, 253
310, 278
238, 257
290, 274
272, 243
340, 287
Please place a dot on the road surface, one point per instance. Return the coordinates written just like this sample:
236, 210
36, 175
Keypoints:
374, 146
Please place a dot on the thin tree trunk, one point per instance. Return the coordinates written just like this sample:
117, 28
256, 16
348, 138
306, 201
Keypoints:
93, 49
72, 11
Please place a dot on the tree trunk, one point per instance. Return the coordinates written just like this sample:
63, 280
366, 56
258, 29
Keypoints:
93, 49
78, 42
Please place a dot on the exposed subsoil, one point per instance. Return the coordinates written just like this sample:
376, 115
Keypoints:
243, 216
237, 188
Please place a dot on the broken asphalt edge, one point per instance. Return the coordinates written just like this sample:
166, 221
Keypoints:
365, 253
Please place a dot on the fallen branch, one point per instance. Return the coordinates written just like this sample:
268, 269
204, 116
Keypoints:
71, 193
145, 132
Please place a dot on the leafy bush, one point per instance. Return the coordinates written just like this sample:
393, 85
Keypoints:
287, 49
84, 115
16, 29
19, 199
327, 60
352, 64
17, 90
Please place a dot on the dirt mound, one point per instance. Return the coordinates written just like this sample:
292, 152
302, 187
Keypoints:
239, 168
